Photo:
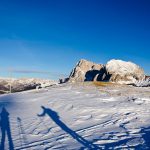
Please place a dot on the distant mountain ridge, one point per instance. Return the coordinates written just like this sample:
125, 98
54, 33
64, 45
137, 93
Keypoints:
22, 84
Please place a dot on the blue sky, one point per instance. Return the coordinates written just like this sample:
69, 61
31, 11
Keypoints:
52, 35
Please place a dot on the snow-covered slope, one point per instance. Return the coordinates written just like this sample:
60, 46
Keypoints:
76, 117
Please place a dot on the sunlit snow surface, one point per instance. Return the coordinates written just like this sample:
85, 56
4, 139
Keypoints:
105, 117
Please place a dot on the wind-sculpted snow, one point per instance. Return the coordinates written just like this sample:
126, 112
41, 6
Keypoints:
72, 117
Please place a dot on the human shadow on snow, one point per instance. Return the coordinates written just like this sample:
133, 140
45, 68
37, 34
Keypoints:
145, 132
5, 130
22, 134
55, 117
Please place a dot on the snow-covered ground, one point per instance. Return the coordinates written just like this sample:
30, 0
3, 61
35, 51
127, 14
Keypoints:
76, 117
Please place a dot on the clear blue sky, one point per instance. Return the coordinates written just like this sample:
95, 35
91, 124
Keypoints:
52, 35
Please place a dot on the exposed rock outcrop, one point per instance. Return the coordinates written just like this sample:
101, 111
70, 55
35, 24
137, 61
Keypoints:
86, 71
115, 71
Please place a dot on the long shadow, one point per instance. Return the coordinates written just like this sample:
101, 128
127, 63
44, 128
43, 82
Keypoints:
23, 137
5, 129
54, 116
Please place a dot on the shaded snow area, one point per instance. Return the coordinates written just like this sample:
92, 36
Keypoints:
72, 117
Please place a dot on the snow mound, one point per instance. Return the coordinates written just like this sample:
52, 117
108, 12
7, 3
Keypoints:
122, 71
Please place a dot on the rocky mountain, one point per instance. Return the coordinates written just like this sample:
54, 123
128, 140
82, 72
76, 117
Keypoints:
115, 71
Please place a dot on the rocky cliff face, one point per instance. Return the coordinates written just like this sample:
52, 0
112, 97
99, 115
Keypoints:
115, 71
86, 71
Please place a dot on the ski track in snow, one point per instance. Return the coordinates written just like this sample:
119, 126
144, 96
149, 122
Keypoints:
108, 122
